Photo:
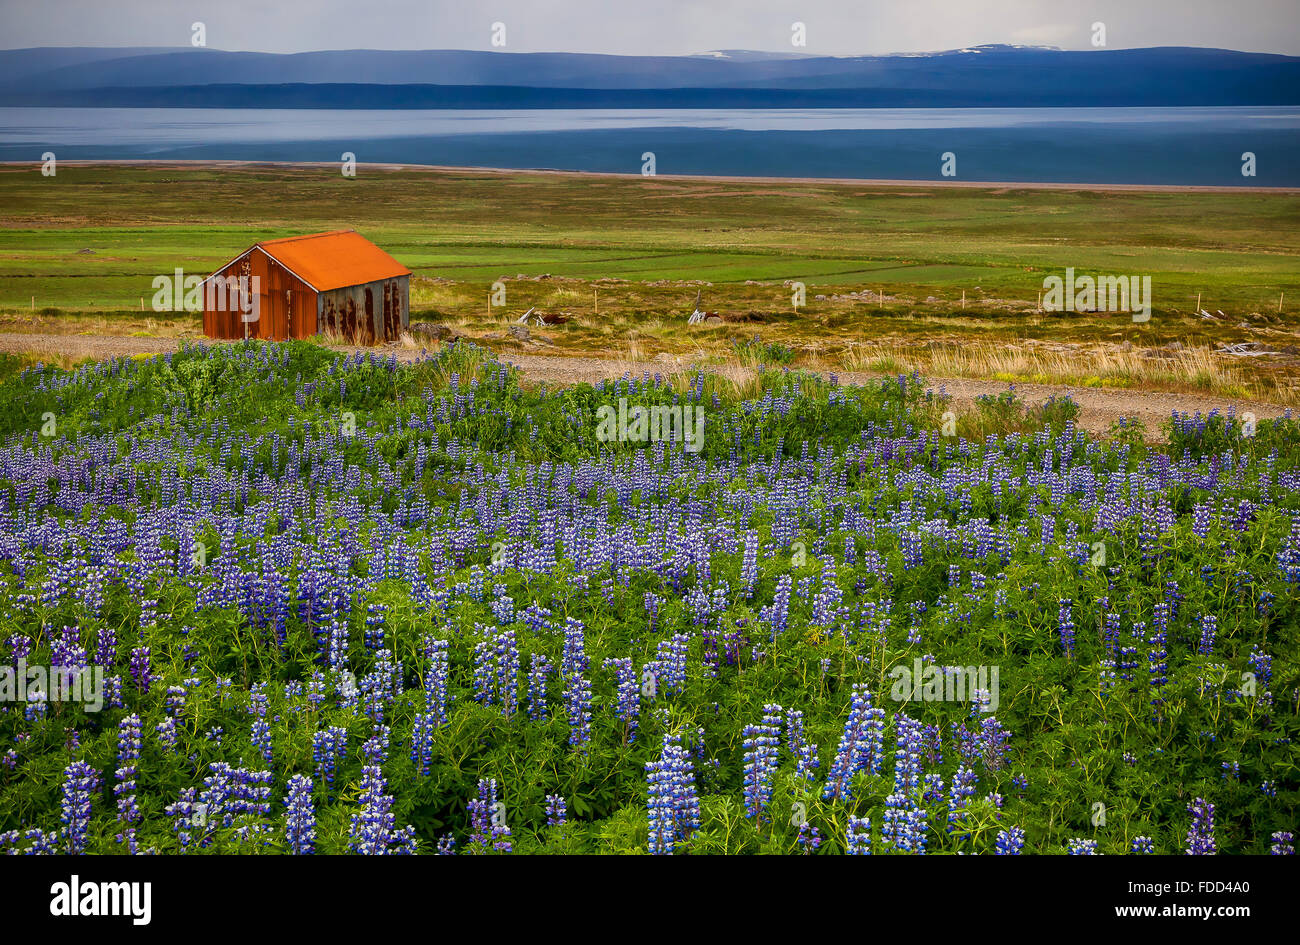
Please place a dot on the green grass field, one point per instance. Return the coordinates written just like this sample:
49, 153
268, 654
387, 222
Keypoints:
81, 250
1240, 250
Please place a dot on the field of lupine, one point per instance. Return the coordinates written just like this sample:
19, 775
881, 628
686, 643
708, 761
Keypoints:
347, 605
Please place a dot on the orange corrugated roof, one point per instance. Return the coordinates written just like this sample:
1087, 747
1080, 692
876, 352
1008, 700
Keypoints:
334, 260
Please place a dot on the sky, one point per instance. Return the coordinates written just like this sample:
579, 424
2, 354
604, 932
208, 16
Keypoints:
653, 27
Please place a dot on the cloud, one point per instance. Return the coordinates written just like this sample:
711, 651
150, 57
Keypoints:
653, 27
1066, 35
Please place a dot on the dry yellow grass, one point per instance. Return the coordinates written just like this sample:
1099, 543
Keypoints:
1198, 369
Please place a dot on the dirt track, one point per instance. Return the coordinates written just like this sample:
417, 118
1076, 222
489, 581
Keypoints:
1099, 407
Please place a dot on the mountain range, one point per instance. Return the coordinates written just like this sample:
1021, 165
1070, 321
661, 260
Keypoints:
988, 76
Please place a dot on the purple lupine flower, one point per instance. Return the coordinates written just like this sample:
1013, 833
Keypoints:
652, 603
1158, 655
668, 670
327, 747
1283, 843
261, 728
506, 667
106, 647
577, 688
374, 830
1065, 626
777, 614
860, 746
140, 671
484, 672
174, 702
577, 703
299, 816
487, 820
749, 564
932, 739
1010, 842
826, 603
186, 815
1079, 846
538, 618
963, 788
857, 837
761, 743
1261, 665
628, 703
1201, 520
1209, 627
904, 825
376, 615
907, 755
809, 838
337, 634
1143, 845
557, 810
804, 752
673, 807
129, 743
435, 686
79, 785
422, 731
229, 793
993, 744
539, 672
1110, 627
1200, 836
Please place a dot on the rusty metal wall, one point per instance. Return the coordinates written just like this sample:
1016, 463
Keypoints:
367, 314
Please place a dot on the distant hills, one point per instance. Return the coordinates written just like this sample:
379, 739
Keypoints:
990, 76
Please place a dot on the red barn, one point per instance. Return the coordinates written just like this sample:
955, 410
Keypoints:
337, 282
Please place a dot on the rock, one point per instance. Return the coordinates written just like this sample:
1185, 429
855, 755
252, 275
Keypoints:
431, 330
519, 332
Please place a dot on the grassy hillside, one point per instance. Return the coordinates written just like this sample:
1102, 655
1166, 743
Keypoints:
1239, 249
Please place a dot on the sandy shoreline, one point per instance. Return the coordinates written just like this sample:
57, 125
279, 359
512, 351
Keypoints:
684, 178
